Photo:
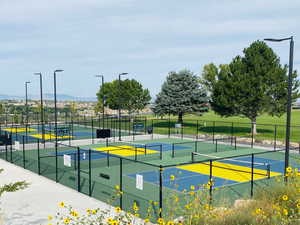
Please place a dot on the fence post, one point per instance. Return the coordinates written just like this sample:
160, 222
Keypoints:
252, 134
6, 153
121, 183
160, 190
152, 129
252, 173
39, 160
56, 163
90, 173
169, 130
92, 131
275, 137
23, 152
210, 181
214, 123
78, 169
173, 150
11, 147
197, 130
145, 126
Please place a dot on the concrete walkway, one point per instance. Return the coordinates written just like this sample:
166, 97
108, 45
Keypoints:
33, 205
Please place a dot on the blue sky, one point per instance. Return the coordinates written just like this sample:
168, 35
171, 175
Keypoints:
147, 39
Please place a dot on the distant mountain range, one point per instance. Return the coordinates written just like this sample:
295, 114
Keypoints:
48, 96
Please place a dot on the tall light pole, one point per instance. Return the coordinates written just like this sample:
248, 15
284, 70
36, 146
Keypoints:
289, 99
119, 103
55, 111
26, 105
103, 99
42, 108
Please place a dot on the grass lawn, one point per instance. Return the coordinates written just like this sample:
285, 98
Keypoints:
239, 126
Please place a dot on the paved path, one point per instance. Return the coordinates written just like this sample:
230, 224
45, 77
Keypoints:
33, 205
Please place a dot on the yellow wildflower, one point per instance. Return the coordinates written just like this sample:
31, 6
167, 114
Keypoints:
160, 220
285, 198
50, 217
172, 177
109, 220
117, 187
117, 209
67, 220
146, 220
74, 213
298, 205
170, 223
258, 211
62, 204
88, 211
289, 169
285, 212
192, 187
114, 222
94, 211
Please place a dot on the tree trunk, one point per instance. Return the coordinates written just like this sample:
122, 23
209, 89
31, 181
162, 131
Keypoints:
180, 115
253, 127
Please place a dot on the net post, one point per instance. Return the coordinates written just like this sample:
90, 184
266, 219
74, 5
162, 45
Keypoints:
145, 149
182, 131
252, 174
121, 183
90, 172
210, 181
193, 157
235, 142
78, 169
106, 142
269, 171
23, 152
107, 157
173, 150
275, 136
160, 190
39, 159
196, 146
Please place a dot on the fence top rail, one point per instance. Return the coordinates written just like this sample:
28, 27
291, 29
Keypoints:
229, 122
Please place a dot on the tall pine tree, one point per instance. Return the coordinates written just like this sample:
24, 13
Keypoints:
181, 94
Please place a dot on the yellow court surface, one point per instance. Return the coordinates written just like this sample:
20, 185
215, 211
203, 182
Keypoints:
125, 150
228, 171
49, 136
18, 130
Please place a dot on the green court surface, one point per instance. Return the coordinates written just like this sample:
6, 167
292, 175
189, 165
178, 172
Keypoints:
98, 169
33, 133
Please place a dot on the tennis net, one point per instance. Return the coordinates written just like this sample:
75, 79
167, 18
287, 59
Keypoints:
237, 165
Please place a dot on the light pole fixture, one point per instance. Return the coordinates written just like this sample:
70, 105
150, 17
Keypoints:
289, 99
42, 107
119, 103
26, 105
55, 112
103, 99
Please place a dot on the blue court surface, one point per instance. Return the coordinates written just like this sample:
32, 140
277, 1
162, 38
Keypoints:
185, 178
